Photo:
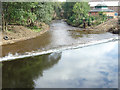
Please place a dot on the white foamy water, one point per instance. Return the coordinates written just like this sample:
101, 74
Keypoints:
60, 49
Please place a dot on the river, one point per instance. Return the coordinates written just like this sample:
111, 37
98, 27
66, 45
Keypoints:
58, 37
59, 59
89, 67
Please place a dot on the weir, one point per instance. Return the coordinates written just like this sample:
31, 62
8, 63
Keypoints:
36, 53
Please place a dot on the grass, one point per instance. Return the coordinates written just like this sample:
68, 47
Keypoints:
36, 29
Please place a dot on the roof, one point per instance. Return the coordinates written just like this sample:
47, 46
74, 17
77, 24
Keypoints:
108, 3
99, 8
102, 4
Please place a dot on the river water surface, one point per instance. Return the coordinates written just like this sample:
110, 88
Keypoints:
59, 35
89, 67
59, 59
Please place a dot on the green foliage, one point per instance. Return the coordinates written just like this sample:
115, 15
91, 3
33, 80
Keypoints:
58, 10
18, 12
25, 13
81, 9
44, 12
68, 6
100, 18
77, 13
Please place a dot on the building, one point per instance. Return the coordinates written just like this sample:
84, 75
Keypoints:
111, 4
103, 8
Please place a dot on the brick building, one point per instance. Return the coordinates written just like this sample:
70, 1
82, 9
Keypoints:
111, 4
103, 8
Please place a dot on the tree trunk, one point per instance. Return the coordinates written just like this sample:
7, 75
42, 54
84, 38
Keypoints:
4, 23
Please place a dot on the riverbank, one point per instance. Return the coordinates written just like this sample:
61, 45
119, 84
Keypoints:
59, 36
111, 25
21, 33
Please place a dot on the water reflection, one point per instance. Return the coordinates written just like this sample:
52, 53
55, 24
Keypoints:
22, 73
0, 75
89, 67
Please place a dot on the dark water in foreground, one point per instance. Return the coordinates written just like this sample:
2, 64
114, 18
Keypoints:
89, 67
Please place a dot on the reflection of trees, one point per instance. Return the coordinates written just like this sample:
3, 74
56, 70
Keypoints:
21, 73
0, 75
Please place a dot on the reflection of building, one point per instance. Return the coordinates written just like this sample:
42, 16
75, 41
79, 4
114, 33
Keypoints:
103, 8
112, 4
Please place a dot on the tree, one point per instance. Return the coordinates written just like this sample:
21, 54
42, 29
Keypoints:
18, 13
67, 7
58, 10
79, 13
26, 13
44, 12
